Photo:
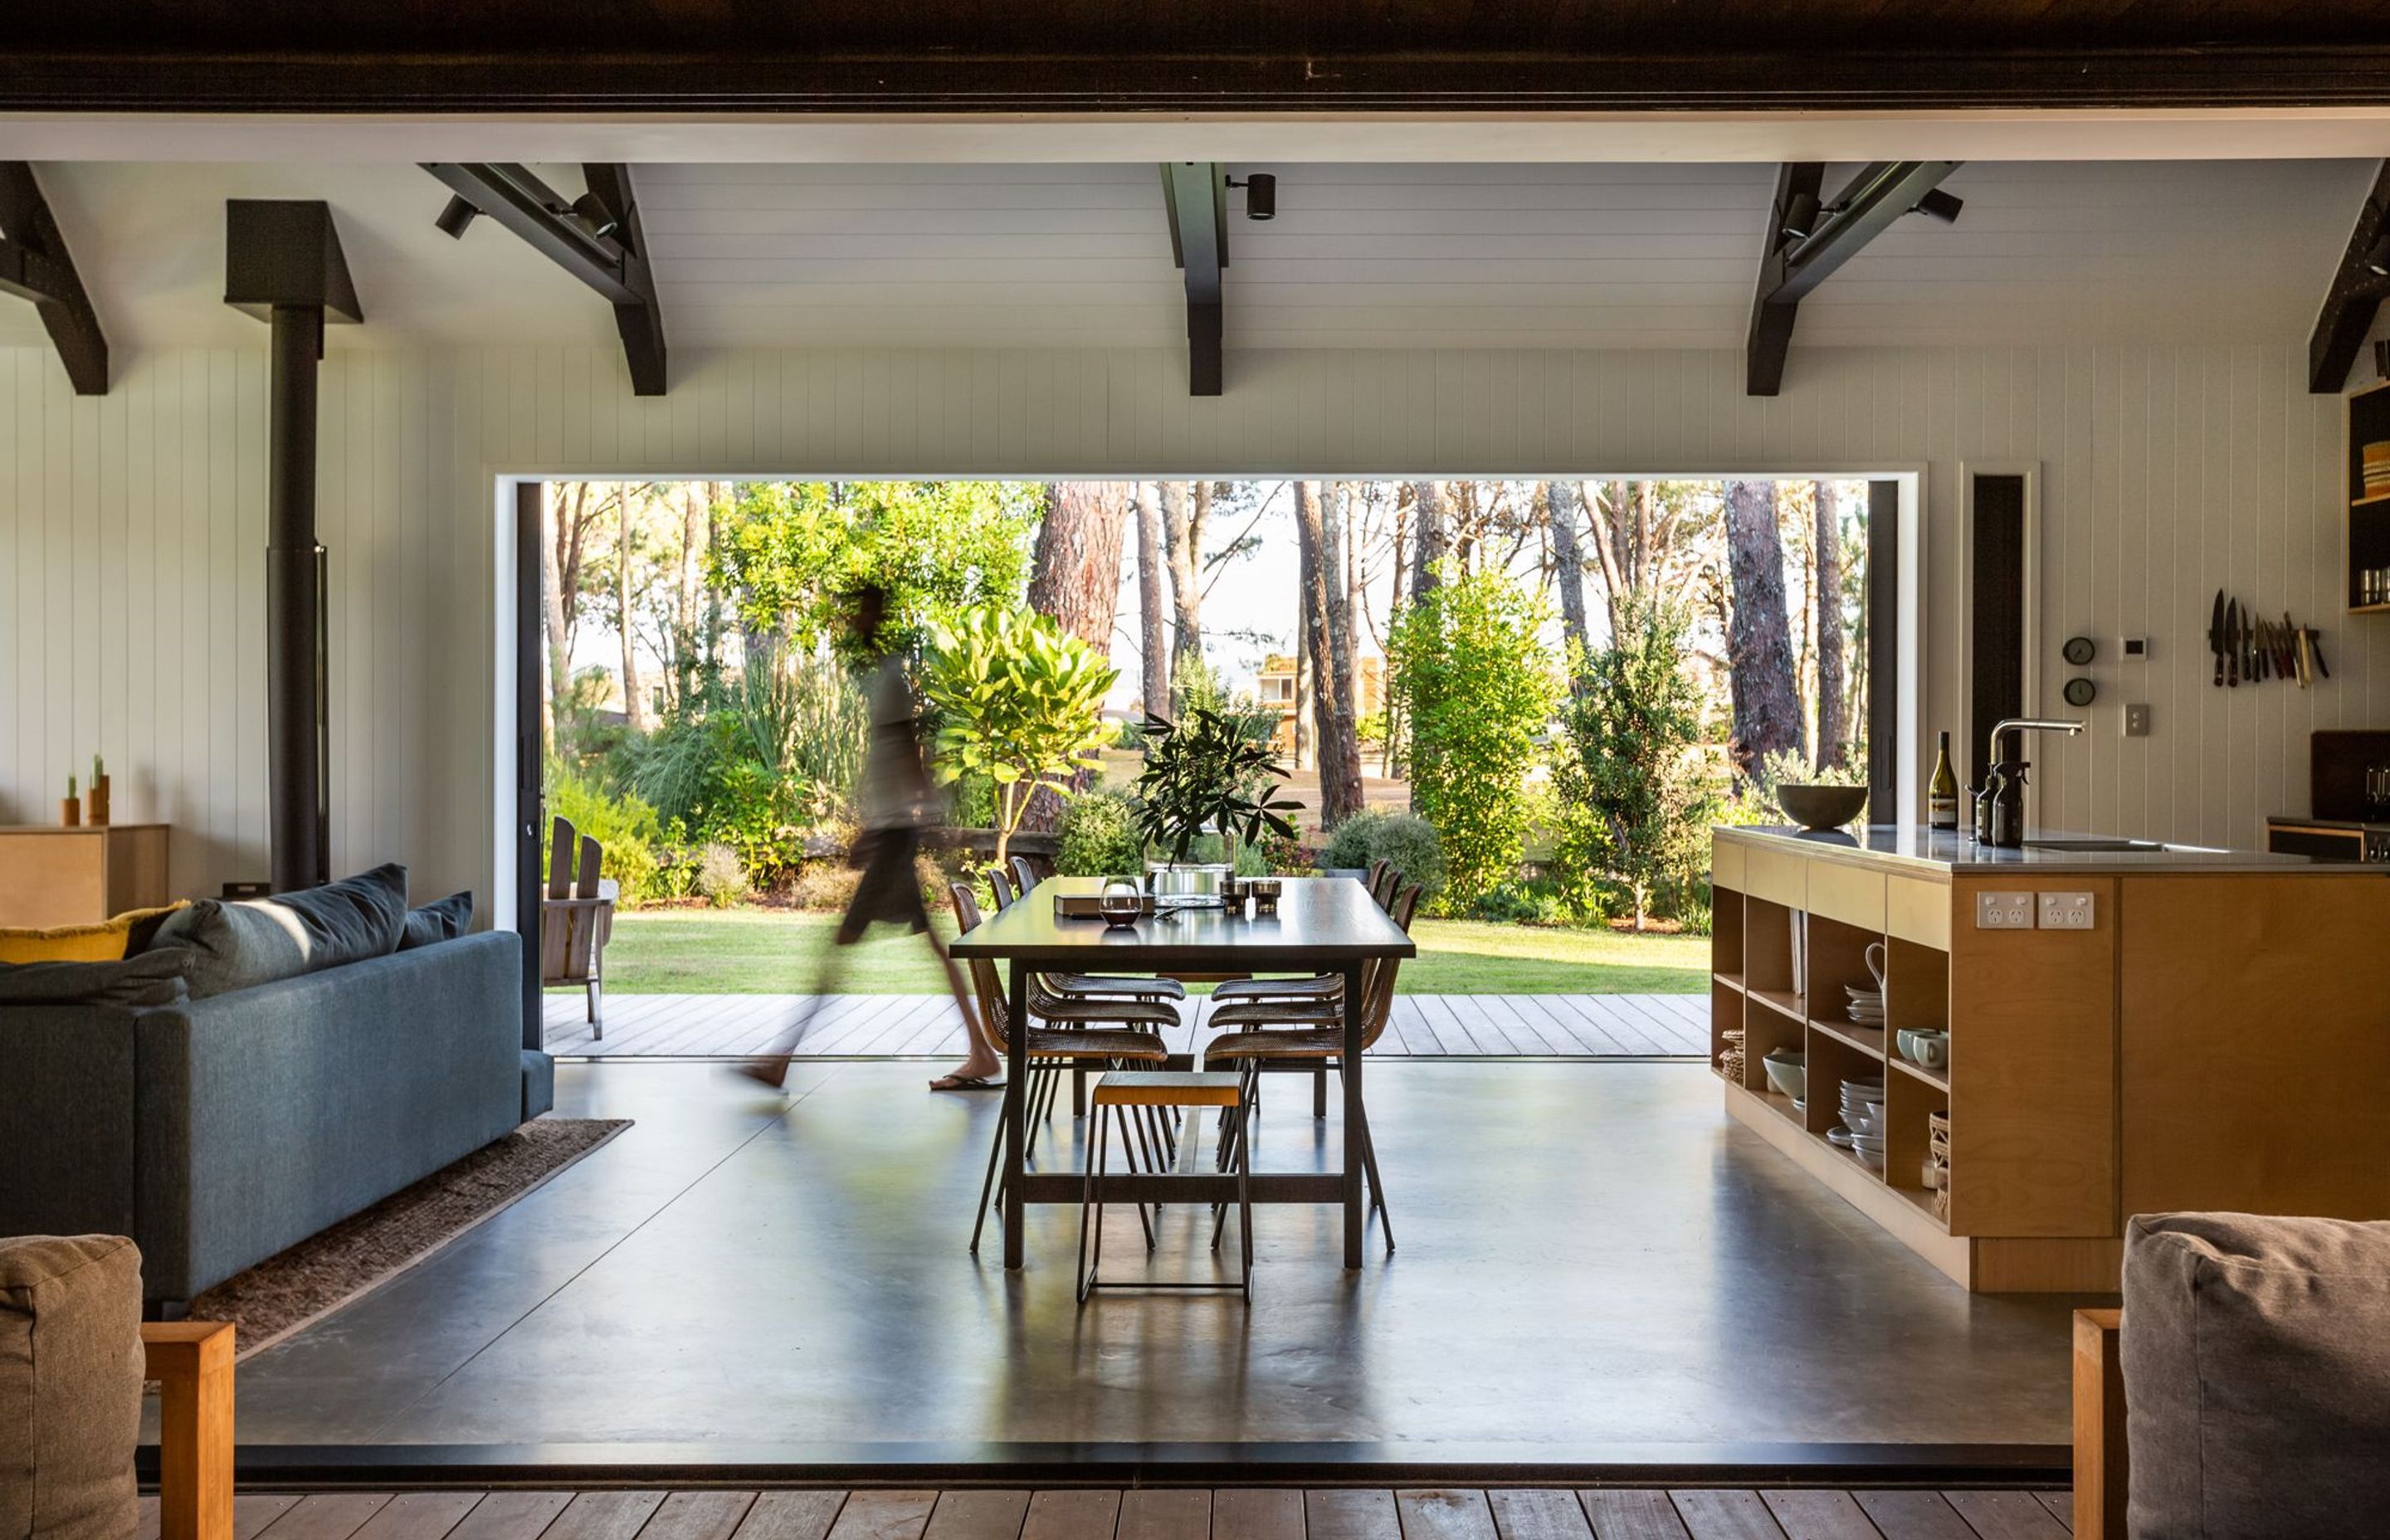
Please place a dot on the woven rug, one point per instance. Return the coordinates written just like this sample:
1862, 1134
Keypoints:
292, 1289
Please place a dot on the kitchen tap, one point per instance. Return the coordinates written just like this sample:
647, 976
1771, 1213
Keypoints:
2000, 809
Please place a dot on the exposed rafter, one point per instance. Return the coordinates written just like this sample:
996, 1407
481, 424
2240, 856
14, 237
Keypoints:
2356, 292
599, 241
35, 265
1196, 194
1802, 252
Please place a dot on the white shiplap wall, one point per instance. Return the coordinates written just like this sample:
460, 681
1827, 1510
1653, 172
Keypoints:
132, 530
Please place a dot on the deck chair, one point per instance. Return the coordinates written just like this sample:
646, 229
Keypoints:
577, 917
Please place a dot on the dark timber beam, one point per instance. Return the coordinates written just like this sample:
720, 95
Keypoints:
35, 265
2356, 293
1196, 194
601, 242
283, 262
1794, 263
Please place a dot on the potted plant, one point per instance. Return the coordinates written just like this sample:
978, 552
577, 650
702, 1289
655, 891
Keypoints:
1206, 775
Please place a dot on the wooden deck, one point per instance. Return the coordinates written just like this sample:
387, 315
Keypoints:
1155, 1513
887, 1026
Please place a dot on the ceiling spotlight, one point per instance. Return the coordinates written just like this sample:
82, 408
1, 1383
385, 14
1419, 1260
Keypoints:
1260, 194
593, 212
455, 217
1801, 216
2377, 259
1937, 204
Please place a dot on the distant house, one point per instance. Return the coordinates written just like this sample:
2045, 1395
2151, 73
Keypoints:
1276, 687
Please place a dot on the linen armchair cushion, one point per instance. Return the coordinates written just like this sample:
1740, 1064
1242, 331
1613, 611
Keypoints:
70, 1371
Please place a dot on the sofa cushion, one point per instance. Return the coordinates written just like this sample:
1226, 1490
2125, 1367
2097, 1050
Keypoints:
70, 1366
443, 920
155, 978
252, 942
2257, 1361
105, 941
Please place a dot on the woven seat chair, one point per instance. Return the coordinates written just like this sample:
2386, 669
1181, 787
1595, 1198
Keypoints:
1322, 987
1307, 1035
1104, 1034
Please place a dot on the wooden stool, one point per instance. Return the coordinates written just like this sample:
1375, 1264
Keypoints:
1114, 1095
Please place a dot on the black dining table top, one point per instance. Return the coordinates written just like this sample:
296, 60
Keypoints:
1319, 920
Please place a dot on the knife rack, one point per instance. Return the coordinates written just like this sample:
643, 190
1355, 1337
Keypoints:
2247, 647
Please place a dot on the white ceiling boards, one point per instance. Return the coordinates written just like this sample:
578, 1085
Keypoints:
1361, 255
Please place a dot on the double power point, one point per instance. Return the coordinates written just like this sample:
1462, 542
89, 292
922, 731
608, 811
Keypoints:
2033, 911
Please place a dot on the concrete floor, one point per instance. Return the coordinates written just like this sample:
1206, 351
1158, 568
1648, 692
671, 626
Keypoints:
1592, 1256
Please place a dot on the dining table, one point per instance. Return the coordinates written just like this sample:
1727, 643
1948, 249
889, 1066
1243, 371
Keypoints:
1322, 925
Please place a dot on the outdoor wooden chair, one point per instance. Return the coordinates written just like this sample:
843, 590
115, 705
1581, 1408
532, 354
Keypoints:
576, 918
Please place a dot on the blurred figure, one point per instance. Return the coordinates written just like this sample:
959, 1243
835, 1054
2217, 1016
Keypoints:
896, 802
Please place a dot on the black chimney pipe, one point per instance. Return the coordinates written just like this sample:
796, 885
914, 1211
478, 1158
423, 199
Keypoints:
283, 263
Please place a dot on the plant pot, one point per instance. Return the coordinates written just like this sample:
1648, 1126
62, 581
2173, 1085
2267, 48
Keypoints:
1191, 884
95, 801
70, 813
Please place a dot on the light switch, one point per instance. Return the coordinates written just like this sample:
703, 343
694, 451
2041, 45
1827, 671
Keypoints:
2065, 911
2004, 911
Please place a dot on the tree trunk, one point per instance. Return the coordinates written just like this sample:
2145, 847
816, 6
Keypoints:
1759, 637
1834, 728
1076, 578
1181, 535
634, 705
1561, 507
1319, 538
1152, 653
1339, 795
1431, 515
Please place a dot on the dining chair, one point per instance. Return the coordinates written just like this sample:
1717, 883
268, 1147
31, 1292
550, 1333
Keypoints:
1307, 1036
1070, 988
1083, 1034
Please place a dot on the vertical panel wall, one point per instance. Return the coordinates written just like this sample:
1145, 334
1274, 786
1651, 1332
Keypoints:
132, 531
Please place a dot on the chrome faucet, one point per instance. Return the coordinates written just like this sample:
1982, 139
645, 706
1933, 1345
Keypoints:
2009, 831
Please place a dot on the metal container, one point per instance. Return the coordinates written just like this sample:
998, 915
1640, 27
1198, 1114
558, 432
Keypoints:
1195, 884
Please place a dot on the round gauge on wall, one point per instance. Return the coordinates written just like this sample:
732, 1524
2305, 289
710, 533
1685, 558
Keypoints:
2078, 650
2080, 692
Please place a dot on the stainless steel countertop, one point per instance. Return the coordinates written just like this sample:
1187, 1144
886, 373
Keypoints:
1920, 849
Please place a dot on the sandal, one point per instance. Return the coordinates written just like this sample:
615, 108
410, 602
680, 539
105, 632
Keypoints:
966, 1082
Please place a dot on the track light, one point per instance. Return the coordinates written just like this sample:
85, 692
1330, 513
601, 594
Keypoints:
1260, 194
456, 218
1937, 204
1801, 217
2377, 259
593, 212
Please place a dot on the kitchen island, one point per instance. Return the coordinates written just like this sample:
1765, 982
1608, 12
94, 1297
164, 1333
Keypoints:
2131, 1029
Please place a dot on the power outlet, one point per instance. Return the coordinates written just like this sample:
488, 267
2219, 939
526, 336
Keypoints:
2004, 911
2065, 911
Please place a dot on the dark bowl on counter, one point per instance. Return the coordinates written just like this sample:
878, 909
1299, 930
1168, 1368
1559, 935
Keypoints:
1821, 806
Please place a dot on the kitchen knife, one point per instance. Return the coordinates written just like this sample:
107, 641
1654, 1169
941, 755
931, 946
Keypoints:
2265, 649
2233, 643
2294, 650
2216, 637
2315, 650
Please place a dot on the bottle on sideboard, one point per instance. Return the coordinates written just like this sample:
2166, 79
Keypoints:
1942, 793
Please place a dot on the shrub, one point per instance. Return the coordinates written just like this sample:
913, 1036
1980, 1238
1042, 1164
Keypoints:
1019, 700
721, 879
1517, 903
1098, 837
625, 824
1478, 687
1406, 840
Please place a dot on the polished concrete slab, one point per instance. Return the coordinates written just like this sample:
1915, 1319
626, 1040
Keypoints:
1590, 1254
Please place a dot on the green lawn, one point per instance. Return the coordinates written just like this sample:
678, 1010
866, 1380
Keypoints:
777, 952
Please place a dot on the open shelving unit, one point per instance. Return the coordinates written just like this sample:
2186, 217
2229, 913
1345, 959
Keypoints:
2367, 526
1778, 972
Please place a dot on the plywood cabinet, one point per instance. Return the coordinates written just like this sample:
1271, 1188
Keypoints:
81, 876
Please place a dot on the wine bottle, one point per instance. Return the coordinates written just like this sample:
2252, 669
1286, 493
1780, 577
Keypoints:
1942, 793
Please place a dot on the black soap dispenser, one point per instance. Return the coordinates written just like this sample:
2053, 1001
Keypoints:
1984, 796
2007, 805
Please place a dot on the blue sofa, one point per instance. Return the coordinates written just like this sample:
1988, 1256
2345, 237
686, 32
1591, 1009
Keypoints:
217, 1132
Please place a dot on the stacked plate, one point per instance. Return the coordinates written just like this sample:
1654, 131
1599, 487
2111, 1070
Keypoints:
1867, 1005
2376, 460
1861, 1130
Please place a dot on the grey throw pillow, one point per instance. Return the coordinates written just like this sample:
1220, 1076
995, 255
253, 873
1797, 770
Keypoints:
442, 920
154, 977
2257, 1359
240, 945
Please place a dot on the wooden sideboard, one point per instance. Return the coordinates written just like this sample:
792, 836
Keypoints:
53, 875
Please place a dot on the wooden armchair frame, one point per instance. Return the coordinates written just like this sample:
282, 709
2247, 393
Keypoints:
192, 1363
576, 919
2100, 1464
